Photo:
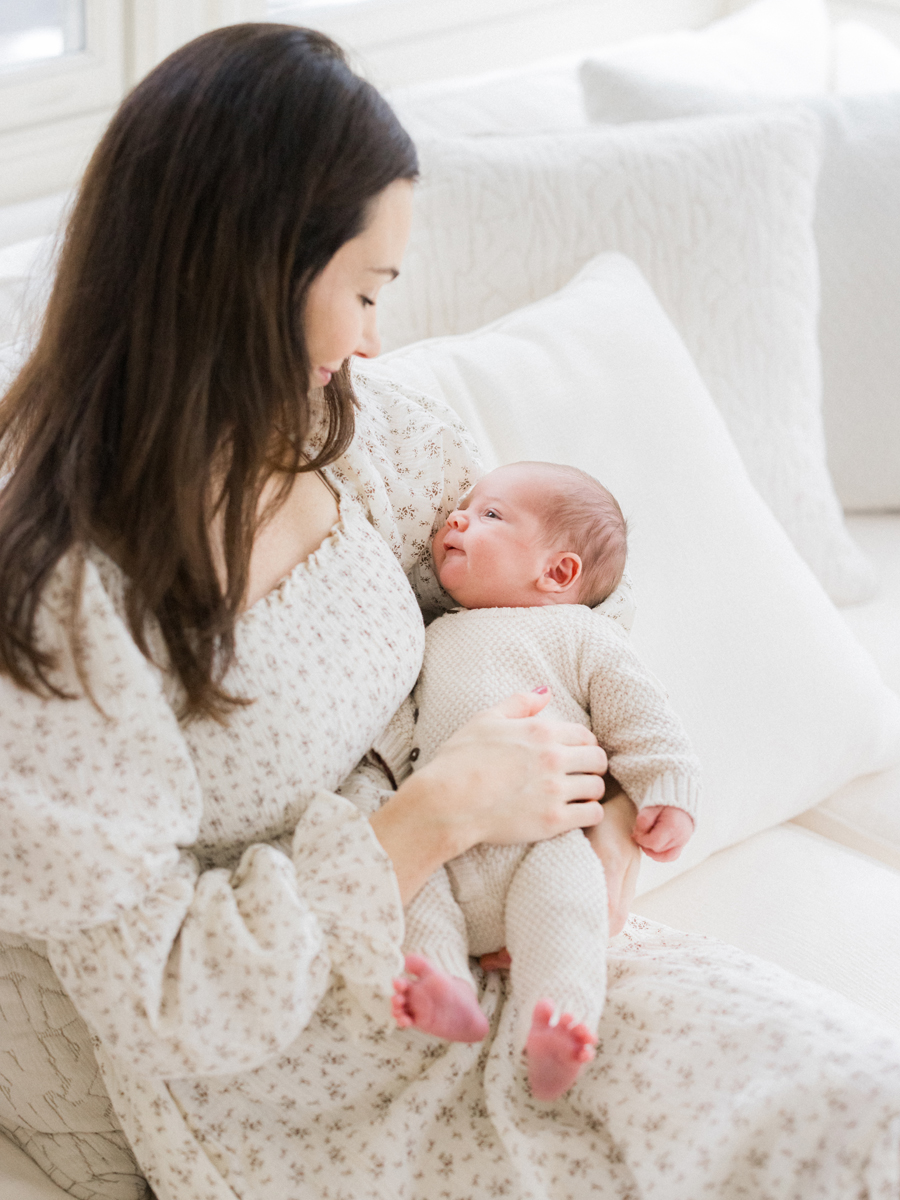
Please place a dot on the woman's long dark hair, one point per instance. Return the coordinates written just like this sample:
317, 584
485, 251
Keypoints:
171, 377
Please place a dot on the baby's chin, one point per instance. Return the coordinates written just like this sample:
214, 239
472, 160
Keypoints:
487, 597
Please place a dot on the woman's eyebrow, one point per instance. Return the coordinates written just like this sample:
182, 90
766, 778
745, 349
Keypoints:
392, 271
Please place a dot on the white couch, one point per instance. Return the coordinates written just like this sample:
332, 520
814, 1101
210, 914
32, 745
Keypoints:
818, 894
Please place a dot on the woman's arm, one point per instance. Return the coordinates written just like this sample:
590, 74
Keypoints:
502, 778
181, 971
621, 858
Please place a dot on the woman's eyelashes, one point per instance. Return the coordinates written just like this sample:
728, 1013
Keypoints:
366, 302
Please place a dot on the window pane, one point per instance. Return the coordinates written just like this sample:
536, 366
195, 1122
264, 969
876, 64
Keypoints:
32, 31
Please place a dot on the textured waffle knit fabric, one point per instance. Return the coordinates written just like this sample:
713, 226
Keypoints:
545, 903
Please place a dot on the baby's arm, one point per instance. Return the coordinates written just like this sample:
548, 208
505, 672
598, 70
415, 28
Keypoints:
649, 752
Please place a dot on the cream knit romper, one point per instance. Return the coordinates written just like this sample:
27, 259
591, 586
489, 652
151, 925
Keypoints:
545, 902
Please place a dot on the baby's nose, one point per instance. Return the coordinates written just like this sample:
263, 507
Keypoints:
458, 519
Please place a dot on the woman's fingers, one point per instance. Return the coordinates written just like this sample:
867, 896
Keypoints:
583, 760
520, 705
579, 815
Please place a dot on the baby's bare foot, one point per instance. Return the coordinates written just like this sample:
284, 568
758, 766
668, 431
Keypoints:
437, 1003
555, 1053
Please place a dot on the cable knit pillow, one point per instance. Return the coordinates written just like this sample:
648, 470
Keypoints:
718, 216
856, 227
53, 1102
782, 703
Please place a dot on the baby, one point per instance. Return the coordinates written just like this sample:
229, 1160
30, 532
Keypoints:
527, 555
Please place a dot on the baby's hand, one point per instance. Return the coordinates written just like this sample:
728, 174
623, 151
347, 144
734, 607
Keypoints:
662, 831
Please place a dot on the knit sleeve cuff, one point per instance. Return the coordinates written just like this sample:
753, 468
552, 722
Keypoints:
675, 791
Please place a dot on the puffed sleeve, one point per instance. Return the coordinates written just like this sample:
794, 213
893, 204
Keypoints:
180, 971
411, 462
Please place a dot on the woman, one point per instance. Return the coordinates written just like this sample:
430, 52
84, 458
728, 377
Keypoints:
205, 548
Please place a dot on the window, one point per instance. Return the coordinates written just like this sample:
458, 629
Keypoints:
34, 30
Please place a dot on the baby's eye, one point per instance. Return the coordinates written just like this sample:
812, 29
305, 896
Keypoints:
490, 512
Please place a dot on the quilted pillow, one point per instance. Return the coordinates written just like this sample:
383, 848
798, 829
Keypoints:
718, 216
856, 226
775, 49
53, 1103
782, 703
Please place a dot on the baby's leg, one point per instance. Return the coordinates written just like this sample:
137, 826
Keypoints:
556, 927
556, 1051
438, 1003
441, 999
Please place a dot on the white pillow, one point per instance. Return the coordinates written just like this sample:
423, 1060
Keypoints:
865, 61
774, 48
858, 235
544, 98
857, 228
780, 699
718, 216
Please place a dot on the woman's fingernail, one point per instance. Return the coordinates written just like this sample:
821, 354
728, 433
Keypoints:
543, 688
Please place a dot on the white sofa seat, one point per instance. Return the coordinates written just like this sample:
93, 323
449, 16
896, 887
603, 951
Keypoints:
818, 909
865, 815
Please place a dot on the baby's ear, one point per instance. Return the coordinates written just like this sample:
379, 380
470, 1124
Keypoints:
562, 573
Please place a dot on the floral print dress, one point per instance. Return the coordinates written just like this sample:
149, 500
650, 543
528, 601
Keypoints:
223, 918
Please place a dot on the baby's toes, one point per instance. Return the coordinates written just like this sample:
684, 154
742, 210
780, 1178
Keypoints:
542, 1014
400, 1010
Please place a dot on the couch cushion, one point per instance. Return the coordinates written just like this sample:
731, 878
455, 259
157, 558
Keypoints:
718, 216
782, 703
26, 273
857, 231
816, 908
775, 48
865, 814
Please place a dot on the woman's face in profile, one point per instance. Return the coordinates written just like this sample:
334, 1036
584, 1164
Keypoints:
339, 317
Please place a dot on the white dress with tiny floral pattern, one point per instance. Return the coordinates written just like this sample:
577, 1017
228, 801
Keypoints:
221, 918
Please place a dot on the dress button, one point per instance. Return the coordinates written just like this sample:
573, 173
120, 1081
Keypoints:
414, 754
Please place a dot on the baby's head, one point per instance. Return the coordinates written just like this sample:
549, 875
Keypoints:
529, 534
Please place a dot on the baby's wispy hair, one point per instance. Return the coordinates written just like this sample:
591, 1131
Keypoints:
581, 515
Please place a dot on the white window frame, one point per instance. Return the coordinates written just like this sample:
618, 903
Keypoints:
74, 83
52, 113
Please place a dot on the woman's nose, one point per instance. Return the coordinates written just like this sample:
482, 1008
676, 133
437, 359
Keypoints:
370, 341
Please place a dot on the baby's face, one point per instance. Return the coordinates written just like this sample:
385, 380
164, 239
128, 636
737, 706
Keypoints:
492, 551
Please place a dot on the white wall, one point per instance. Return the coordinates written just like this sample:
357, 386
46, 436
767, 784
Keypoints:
52, 116
408, 41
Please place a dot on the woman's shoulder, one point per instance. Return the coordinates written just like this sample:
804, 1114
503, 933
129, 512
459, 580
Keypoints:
406, 415
81, 626
410, 462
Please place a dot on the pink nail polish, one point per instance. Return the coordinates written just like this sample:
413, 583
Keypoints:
542, 689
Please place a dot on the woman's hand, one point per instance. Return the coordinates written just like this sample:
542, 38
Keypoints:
621, 858
503, 777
